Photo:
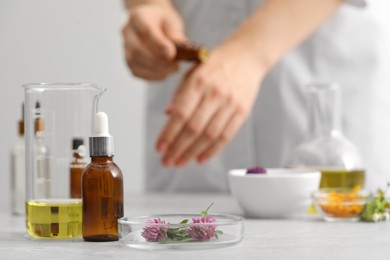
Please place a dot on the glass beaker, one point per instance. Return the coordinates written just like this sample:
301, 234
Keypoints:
55, 113
326, 148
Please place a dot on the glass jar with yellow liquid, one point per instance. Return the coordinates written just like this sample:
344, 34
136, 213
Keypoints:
326, 148
54, 114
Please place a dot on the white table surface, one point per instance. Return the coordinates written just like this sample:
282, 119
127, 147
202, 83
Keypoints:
263, 239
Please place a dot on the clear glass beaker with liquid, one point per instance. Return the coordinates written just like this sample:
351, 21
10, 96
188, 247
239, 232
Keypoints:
55, 114
326, 148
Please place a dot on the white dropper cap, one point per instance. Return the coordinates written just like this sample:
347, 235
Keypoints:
101, 143
100, 126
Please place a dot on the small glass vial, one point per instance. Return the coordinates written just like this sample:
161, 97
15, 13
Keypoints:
18, 171
42, 156
102, 186
326, 148
77, 167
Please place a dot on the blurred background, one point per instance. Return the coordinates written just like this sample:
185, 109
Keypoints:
70, 41
80, 41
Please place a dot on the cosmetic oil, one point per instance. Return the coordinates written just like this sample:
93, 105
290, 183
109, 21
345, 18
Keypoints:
336, 178
51, 218
102, 186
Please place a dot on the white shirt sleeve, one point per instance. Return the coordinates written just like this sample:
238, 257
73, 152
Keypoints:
358, 3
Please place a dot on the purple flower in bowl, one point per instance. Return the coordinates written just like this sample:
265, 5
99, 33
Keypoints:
256, 170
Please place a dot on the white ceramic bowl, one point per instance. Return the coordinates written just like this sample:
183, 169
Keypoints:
280, 193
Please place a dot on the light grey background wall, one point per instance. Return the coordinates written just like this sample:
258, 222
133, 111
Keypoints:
69, 41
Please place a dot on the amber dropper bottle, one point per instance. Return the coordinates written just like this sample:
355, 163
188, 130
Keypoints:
102, 186
191, 53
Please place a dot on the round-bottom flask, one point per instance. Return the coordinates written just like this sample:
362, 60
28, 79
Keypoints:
326, 148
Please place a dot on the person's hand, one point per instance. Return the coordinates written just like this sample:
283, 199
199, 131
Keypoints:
149, 40
210, 105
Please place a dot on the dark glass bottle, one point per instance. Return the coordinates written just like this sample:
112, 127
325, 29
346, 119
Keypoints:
188, 52
102, 186
77, 166
102, 199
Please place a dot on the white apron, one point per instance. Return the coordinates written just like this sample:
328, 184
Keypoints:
351, 48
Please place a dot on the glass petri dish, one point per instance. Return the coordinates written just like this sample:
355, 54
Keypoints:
170, 233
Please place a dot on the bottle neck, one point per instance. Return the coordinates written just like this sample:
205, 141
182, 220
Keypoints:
39, 136
77, 155
324, 110
101, 146
101, 159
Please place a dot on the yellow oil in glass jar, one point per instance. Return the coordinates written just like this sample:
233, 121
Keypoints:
54, 218
341, 178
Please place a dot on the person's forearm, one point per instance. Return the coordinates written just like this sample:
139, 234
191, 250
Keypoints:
132, 3
280, 25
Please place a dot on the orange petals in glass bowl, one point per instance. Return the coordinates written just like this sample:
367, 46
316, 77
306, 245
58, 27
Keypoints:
339, 204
